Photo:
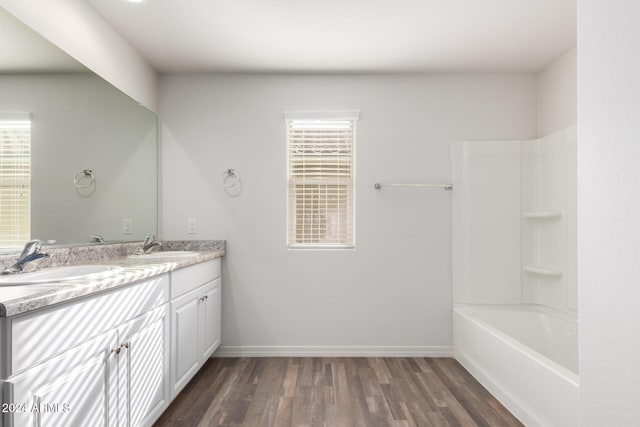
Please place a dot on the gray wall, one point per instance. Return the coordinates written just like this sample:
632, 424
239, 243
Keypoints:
557, 94
393, 292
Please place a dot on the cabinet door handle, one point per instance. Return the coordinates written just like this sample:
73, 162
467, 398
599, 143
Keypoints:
206, 297
126, 345
116, 350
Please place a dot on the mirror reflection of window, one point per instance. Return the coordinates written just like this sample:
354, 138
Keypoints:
15, 179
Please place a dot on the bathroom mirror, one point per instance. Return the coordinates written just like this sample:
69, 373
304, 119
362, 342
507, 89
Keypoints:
92, 148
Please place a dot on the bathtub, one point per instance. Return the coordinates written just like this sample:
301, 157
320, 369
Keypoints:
526, 356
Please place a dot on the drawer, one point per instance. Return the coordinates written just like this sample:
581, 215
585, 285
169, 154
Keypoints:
189, 278
37, 336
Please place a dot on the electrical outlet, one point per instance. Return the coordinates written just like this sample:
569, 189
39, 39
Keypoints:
192, 226
127, 226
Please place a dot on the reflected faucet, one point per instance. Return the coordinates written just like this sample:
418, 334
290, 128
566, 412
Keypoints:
148, 244
29, 259
96, 238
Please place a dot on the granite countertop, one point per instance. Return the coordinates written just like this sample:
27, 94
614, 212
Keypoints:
21, 299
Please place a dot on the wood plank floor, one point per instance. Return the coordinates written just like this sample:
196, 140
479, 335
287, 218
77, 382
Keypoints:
330, 392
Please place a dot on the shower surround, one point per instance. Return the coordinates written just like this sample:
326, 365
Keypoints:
514, 273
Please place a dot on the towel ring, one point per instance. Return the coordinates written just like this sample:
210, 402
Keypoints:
230, 178
85, 173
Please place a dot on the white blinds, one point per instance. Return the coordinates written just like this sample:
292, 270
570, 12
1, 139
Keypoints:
15, 181
321, 183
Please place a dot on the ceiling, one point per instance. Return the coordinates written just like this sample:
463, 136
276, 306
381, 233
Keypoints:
352, 36
22, 50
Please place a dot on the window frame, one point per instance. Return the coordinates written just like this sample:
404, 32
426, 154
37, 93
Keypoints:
343, 115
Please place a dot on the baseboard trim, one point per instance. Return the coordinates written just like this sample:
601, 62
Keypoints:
333, 351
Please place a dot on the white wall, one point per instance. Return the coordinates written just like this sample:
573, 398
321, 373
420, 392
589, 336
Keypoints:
76, 28
487, 266
81, 122
557, 94
608, 211
395, 289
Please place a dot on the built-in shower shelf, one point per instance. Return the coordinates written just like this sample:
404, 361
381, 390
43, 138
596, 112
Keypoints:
542, 271
541, 215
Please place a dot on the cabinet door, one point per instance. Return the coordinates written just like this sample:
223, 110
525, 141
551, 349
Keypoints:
76, 388
144, 367
185, 327
210, 318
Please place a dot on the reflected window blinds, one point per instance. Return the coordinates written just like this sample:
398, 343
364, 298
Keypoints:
15, 180
321, 183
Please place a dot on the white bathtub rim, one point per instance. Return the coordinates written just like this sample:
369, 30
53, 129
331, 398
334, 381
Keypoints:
537, 308
540, 359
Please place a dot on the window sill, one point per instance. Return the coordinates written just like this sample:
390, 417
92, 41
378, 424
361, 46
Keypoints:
303, 247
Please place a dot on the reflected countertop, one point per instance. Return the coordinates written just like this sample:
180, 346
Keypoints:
15, 300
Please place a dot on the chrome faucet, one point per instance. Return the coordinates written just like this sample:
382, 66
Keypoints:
148, 244
29, 259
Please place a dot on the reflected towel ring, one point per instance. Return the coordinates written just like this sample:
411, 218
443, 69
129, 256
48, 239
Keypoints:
84, 175
230, 178
231, 183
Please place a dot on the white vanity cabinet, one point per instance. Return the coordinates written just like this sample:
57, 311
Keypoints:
143, 368
76, 388
96, 361
185, 323
195, 319
113, 358
211, 318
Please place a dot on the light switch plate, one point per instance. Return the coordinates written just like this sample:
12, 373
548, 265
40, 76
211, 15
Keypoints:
127, 226
192, 226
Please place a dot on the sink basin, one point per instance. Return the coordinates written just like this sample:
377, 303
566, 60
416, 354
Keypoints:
56, 274
165, 255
